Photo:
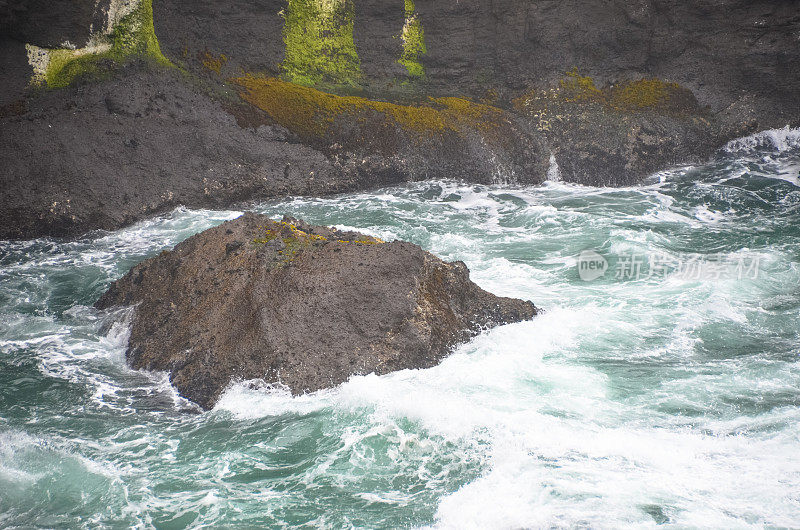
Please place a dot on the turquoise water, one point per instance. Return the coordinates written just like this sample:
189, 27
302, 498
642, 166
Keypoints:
667, 398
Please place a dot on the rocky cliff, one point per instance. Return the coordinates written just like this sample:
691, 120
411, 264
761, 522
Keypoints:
735, 55
116, 109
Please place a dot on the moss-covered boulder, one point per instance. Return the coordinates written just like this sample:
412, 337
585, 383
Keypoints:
445, 137
300, 305
618, 134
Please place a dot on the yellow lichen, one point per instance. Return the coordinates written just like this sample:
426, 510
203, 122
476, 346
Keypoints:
289, 231
310, 112
575, 87
628, 96
296, 240
645, 93
212, 62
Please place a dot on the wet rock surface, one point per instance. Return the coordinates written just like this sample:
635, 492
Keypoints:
300, 305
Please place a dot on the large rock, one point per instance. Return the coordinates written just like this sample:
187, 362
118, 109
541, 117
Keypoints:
615, 135
305, 306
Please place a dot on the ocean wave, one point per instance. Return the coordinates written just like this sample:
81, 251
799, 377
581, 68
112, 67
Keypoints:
777, 140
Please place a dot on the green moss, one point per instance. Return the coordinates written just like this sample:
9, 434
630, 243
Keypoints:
133, 36
629, 96
310, 112
64, 65
318, 35
413, 42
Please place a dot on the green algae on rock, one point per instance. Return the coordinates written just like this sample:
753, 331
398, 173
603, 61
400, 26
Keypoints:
131, 36
413, 42
319, 43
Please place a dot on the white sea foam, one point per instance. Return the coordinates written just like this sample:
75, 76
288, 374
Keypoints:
779, 140
256, 399
560, 450
553, 171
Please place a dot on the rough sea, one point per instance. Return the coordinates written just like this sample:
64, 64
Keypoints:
662, 388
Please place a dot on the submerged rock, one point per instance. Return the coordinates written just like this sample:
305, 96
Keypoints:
305, 306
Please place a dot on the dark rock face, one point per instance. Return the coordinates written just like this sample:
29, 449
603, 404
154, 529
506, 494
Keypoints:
306, 306
733, 54
377, 28
613, 136
249, 33
15, 72
106, 154
725, 51
50, 23
592, 149
436, 139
